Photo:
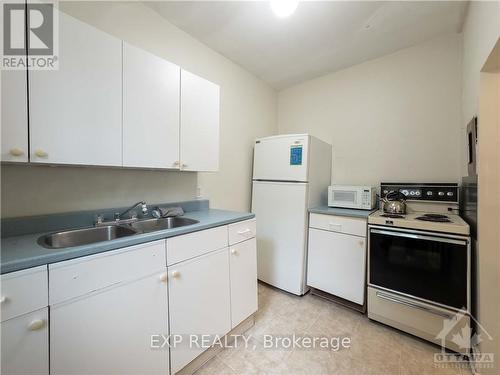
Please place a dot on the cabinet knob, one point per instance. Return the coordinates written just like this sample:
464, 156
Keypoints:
175, 274
234, 252
3, 299
184, 165
362, 243
36, 325
16, 152
41, 154
176, 163
163, 277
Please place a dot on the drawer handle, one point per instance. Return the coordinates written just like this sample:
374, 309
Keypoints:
234, 252
176, 274
3, 299
164, 277
244, 231
36, 325
413, 305
335, 225
16, 152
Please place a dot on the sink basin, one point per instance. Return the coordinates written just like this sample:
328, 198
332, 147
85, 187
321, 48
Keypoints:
152, 225
85, 236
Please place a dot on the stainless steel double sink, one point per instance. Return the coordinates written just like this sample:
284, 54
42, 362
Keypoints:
86, 236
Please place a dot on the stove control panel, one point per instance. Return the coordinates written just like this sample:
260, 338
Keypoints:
430, 192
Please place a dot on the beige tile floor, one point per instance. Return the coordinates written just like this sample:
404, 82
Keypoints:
375, 349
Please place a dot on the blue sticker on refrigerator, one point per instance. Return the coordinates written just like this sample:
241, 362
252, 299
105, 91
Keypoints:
296, 155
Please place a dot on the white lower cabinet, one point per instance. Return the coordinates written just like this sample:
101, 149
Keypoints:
104, 322
109, 331
199, 303
25, 344
336, 264
243, 274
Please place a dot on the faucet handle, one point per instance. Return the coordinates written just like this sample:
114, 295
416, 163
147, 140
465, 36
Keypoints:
99, 219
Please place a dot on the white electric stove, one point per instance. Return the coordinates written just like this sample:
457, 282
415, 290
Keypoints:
419, 264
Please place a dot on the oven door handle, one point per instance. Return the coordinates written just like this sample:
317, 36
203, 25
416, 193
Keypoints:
413, 305
419, 237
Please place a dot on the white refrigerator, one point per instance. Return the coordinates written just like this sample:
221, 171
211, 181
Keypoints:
291, 173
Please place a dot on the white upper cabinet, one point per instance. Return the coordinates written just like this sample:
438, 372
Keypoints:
151, 94
14, 116
76, 111
200, 101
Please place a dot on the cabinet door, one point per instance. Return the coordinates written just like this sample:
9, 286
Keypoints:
25, 344
76, 111
243, 269
336, 264
151, 94
199, 303
14, 116
109, 331
199, 123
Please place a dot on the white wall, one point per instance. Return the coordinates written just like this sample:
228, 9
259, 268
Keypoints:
248, 111
395, 118
480, 33
481, 96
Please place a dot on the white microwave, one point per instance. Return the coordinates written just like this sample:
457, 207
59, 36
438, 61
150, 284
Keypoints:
360, 197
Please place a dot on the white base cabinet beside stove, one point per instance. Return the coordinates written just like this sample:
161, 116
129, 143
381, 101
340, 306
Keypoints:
337, 256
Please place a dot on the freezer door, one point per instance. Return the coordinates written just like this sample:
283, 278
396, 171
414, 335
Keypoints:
280, 210
281, 158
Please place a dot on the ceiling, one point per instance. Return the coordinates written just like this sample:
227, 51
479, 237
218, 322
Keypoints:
319, 38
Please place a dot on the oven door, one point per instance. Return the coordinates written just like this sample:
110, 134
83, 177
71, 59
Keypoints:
430, 267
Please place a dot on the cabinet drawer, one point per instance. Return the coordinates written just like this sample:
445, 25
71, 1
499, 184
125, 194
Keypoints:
195, 244
241, 231
418, 318
24, 291
80, 276
340, 224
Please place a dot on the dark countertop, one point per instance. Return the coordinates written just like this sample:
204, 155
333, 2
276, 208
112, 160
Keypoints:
348, 212
22, 251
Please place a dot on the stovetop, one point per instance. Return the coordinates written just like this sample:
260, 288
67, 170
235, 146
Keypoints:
428, 221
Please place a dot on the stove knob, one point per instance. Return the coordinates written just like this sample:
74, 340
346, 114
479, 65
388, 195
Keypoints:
417, 193
429, 193
405, 192
450, 194
441, 193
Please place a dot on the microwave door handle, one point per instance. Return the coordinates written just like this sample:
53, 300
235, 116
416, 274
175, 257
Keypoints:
413, 305
419, 237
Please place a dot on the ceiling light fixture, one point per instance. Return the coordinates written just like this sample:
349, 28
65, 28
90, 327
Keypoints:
283, 8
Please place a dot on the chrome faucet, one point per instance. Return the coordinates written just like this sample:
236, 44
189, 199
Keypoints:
118, 216
144, 209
